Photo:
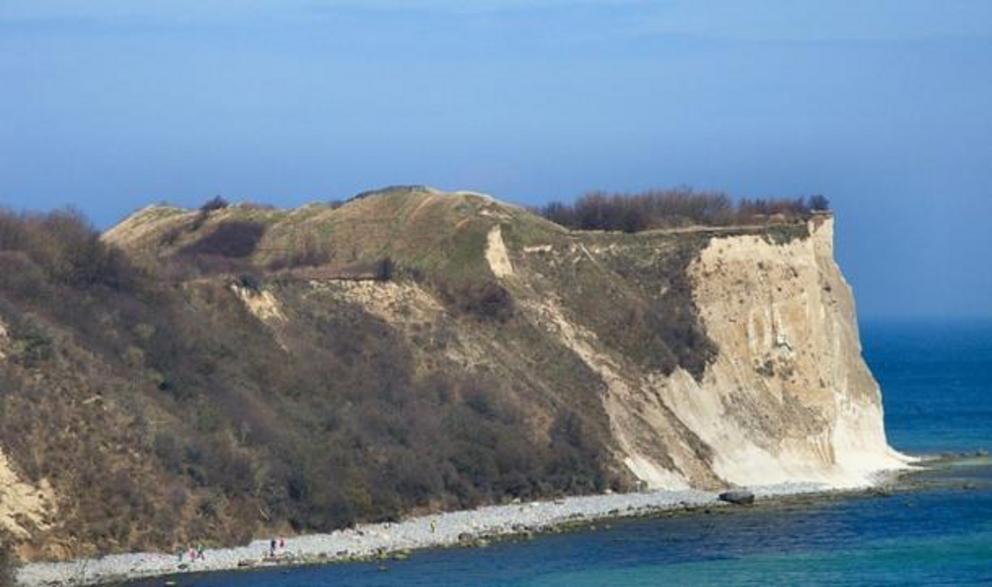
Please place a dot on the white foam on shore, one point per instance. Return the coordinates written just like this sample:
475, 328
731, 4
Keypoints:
368, 540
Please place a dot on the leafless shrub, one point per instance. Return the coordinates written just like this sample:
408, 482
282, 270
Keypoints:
214, 203
487, 300
819, 203
673, 208
211, 205
67, 247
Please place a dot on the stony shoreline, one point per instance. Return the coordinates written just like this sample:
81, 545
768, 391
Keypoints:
469, 528
397, 540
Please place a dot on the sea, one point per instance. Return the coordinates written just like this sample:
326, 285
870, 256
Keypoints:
936, 378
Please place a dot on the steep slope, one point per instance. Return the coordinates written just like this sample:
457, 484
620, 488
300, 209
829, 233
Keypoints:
268, 370
783, 396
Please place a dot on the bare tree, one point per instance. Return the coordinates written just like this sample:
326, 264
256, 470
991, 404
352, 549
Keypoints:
671, 208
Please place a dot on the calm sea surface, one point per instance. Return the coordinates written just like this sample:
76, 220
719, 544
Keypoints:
937, 383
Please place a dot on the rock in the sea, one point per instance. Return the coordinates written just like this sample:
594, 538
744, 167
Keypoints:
737, 497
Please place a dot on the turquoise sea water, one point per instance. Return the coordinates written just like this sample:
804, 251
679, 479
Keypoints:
937, 383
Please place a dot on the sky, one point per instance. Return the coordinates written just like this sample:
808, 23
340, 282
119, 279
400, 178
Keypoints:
885, 106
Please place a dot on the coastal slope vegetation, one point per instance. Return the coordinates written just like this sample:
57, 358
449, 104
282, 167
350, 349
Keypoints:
238, 370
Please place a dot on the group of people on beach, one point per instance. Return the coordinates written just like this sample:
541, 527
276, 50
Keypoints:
273, 545
194, 554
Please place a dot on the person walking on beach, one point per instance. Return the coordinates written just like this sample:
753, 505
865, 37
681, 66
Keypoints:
180, 554
272, 547
433, 526
199, 551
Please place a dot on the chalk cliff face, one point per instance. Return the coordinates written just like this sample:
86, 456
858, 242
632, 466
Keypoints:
787, 397
796, 401
415, 350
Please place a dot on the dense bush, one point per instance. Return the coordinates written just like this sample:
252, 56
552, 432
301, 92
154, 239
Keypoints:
385, 269
214, 203
819, 203
487, 300
211, 205
250, 281
67, 248
673, 208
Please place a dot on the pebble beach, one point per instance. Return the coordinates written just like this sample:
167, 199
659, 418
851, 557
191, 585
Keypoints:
394, 540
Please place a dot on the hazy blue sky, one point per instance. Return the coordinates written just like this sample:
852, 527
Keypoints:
884, 106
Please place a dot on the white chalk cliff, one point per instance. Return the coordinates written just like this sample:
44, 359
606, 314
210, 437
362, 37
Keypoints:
788, 397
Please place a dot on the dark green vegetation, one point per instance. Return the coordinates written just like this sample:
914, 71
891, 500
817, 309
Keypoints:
675, 208
235, 371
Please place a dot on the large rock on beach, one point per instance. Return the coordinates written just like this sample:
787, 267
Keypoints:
737, 497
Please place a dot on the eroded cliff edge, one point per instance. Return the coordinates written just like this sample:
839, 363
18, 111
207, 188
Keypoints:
291, 371
787, 396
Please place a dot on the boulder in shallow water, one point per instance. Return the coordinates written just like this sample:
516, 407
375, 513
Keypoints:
737, 497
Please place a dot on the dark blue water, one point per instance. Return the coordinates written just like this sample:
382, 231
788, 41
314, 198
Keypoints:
937, 383
936, 380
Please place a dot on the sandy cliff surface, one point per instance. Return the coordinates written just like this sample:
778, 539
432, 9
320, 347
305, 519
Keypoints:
789, 396
794, 398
